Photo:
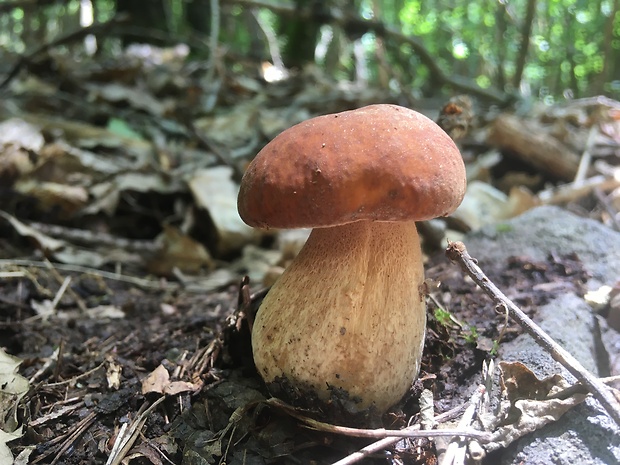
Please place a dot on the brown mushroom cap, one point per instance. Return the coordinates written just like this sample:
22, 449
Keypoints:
377, 163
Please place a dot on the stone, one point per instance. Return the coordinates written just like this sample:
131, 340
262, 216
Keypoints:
585, 435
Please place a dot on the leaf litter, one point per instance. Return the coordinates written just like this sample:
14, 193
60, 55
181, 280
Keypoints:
122, 253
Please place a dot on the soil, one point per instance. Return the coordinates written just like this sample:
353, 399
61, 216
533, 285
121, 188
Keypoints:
86, 367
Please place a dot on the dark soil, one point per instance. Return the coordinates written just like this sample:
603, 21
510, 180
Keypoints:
75, 409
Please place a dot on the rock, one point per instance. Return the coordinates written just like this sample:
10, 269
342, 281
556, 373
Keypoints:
551, 230
585, 435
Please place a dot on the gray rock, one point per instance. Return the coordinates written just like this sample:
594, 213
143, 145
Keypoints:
585, 435
545, 230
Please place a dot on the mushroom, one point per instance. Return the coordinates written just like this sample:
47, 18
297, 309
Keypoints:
348, 315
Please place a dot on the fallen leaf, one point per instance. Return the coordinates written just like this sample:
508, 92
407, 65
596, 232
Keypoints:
180, 251
156, 381
13, 387
215, 191
176, 387
525, 406
159, 381
113, 373
5, 453
20, 133
65, 200
45, 242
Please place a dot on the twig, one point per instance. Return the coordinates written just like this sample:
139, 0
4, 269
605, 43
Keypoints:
611, 211
90, 238
139, 282
579, 388
213, 39
12, 274
457, 253
128, 435
219, 153
75, 404
381, 433
48, 363
75, 378
455, 454
64, 283
78, 430
586, 157
378, 432
272, 41
389, 441
569, 192
61, 291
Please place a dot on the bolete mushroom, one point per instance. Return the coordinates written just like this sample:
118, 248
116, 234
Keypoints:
349, 313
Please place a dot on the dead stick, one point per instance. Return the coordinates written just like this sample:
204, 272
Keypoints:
586, 157
455, 453
389, 441
457, 253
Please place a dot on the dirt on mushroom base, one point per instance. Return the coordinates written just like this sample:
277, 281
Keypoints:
146, 336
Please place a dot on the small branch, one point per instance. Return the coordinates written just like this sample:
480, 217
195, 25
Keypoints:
142, 283
207, 144
381, 433
529, 142
455, 454
389, 441
378, 432
570, 192
457, 253
586, 157
608, 207
77, 430
128, 434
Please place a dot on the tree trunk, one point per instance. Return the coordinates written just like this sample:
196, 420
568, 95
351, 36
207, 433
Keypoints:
526, 31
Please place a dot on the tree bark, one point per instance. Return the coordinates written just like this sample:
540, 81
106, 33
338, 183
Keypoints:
526, 31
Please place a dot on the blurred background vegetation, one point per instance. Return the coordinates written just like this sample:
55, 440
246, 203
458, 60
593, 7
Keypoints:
544, 49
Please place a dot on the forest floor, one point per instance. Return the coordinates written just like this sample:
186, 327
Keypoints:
121, 291
87, 369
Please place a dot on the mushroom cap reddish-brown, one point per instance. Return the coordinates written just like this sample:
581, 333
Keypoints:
376, 163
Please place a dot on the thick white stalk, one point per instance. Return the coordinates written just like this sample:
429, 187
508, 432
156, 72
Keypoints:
349, 312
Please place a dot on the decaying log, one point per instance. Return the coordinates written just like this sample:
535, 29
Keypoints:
526, 140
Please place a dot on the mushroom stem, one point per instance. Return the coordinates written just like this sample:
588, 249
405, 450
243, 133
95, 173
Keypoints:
347, 313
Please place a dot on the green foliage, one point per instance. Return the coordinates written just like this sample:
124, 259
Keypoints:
443, 317
574, 45
503, 227
484, 40
471, 335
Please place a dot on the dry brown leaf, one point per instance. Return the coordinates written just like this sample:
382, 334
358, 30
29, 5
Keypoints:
65, 200
113, 373
179, 251
46, 243
234, 128
215, 191
526, 406
156, 381
137, 98
159, 381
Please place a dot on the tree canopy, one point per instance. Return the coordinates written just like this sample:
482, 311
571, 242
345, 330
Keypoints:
547, 49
